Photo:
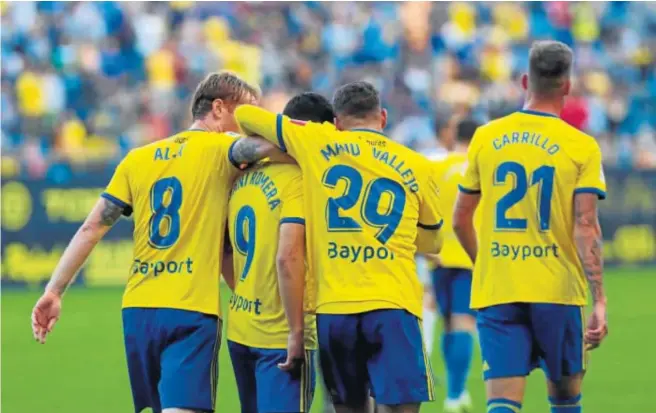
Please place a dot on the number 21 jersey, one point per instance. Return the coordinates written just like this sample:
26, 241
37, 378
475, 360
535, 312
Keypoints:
528, 166
365, 196
178, 189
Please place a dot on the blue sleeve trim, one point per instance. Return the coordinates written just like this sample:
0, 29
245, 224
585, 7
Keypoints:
468, 191
281, 141
292, 220
432, 227
127, 208
590, 190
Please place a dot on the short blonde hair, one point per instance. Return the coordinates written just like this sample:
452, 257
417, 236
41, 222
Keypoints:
222, 85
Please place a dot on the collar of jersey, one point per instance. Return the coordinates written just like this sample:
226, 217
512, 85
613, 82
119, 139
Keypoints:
536, 113
368, 130
196, 130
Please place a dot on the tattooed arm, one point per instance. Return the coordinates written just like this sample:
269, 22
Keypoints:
589, 243
252, 149
101, 218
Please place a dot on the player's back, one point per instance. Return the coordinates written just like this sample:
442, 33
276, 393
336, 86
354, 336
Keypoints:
178, 188
449, 171
261, 200
528, 166
367, 195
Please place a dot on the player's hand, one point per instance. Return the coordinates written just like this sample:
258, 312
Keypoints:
45, 314
597, 328
295, 352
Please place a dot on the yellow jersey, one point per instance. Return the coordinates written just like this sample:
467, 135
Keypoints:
365, 196
178, 189
527, 167
449, 173
262, 200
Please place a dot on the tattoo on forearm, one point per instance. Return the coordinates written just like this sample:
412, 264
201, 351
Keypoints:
589, 243
248, 150
110, 213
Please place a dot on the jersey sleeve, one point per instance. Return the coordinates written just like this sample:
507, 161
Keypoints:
591, 175
430, 214
224, 159
471, 182
291, 136
118, 189
292, 211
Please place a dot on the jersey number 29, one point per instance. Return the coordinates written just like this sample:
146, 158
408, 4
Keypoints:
387, 222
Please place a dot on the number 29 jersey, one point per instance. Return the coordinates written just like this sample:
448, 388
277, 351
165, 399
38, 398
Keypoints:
178, 189
365, 196
528, 166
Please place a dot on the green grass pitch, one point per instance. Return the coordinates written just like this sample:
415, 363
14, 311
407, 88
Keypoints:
82, 367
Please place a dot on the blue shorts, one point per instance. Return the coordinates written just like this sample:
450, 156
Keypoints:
516, 338
172, 358
452, 288
379, 352
264, 388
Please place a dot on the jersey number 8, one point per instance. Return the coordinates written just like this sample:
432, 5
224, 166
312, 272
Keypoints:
387, 222
169, 190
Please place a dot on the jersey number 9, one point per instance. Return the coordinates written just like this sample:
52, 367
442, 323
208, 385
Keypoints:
387, 222
245, 237
165, 202
543, 177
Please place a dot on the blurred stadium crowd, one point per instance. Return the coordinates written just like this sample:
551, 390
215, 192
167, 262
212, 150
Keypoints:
82, 83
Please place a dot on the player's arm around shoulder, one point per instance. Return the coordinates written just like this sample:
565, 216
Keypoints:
113, 203
291, 136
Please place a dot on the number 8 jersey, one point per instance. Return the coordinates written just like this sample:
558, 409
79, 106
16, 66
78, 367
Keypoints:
528, 166
179, 189
366, 198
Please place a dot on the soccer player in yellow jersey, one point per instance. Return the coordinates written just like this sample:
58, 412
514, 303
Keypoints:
367, 200
178, 189
452, 277
537, 180
267, 231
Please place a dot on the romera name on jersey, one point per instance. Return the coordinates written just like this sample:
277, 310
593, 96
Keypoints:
523, 252
355, 253
264, 182
525, 138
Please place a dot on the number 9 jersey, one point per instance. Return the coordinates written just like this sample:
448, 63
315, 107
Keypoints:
367, 199
179, 189
528, 166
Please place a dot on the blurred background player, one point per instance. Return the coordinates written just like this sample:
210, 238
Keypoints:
272, 328
368, 200
452, 275
178, 189
538, 180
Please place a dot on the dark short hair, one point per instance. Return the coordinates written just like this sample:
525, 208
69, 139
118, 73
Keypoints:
465, 129
550, 64
357, 99
310, 106
224, 85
